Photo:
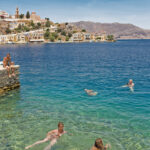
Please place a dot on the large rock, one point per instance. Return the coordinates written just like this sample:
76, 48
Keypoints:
9, 83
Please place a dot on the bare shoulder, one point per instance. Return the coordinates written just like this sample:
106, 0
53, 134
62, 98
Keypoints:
52, 131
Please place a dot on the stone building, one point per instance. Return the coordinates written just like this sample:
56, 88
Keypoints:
17, 13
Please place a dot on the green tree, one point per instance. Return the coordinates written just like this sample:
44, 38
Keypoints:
47, 34
83, 30
8, 31
52, 38
63, 33
27, 15
59, 30
55, 35
47, 19
70, 35
21, 16
26, 29
110, 37
47, 23
67, 38
74, 31
39, 24
98, 38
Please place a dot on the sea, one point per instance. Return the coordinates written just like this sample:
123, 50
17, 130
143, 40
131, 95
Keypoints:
53, 78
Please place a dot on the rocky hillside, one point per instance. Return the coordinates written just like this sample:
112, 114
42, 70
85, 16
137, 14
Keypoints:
120, 31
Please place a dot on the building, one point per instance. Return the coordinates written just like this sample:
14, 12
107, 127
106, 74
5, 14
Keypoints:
35, 17
37, 35
17, 13
3, 15
77, 37
53, 28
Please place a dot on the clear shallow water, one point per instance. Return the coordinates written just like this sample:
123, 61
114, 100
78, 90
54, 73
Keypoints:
53, 78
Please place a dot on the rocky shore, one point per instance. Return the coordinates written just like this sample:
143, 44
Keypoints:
9, 83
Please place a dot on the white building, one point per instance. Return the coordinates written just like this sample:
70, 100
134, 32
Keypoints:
3, 14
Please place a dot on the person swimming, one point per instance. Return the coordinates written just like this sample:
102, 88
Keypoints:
52, 136
130, 84
90, 92
99, 145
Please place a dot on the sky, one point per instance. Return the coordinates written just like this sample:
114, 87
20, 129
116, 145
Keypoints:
136, 12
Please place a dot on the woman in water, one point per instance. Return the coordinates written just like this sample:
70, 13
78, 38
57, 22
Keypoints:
99, 145
52, 136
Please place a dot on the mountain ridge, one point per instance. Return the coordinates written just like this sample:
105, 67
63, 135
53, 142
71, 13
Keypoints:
119, 30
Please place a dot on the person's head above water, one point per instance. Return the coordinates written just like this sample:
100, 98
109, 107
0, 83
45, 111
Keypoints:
130, 81
60, 127
8, 55
99, 144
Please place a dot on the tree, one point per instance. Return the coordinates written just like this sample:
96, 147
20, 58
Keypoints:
66, 23
47, 23
70, 35
110, 37
59, 30
32, 25
26, 28
21, 16
98, 38
63, 33
8, 31
83, 30
55, 35
59, 38
74, 31
39, 24
52, 38
67, 38
47, 34
27, 15
47, 19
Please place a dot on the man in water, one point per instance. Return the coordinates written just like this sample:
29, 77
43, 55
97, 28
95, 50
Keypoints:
130, 84
90, 92
99, 145
52, 136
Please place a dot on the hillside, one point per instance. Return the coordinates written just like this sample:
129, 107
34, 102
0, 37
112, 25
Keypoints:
120, 31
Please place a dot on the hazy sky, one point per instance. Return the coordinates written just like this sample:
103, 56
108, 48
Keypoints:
136, 12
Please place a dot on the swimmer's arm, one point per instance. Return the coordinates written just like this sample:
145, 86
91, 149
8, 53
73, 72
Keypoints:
107, 146
51, 132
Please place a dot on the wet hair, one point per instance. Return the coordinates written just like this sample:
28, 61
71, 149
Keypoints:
99, 144
60, 123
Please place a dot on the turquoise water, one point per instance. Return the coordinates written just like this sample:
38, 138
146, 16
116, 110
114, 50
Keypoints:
53, 78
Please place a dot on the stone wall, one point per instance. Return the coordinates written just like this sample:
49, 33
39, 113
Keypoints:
8, 83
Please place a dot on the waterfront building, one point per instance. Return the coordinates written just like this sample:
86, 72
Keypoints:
37, 35
77, 37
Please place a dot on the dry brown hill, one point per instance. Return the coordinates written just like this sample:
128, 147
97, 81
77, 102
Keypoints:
121, 31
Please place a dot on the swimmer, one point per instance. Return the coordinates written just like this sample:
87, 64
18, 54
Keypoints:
99, 145
130, 84
90, 92
52, 136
